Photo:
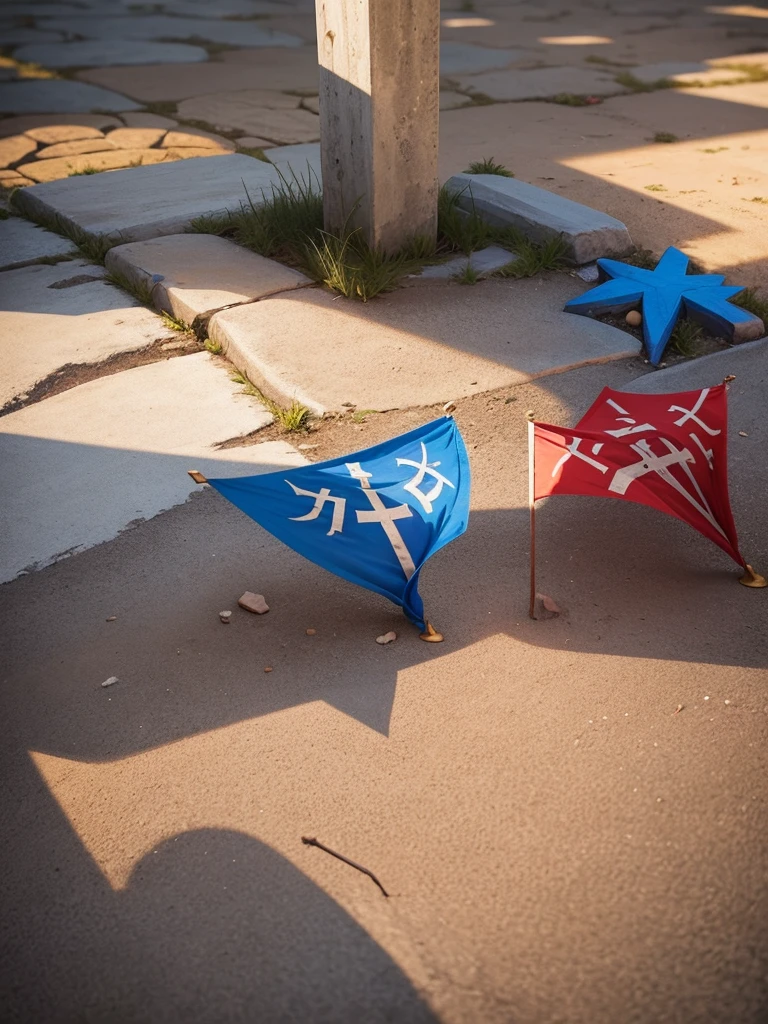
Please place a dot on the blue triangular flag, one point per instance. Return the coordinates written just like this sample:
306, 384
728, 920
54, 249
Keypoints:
373, 517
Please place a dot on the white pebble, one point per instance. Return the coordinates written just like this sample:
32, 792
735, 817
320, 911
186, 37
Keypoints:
706, 698
111, 681
387, 638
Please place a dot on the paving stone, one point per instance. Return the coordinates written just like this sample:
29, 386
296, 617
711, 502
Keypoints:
223, 8
63, 127
63, 323
649, 73
135, 138
194, 152
312, 103
280, 126
233, 109
256, 69
12, 179
200, 274
466, 59
65, 166
196, 137
84, 465
50, 95
23, 36
484, 262
106, 52
453, 100
145, 202
143, 119
541, 83
235, 33
416, 346
301, 162
710, 77
252, 142
542, 215
14, 148
22, 243
74, 148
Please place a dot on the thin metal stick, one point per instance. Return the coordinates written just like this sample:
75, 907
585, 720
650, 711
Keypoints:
311, 841
532, 509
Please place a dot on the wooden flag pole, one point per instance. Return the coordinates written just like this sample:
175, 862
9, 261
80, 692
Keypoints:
532, 510
197, 477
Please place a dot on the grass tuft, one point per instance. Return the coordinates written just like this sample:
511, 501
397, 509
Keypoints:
140, 290
655, 188
569, 99
759, 199
467, 276
753, 303
174, 323
489, 166
214, 347
665, 137
532, 259
292, 418
686, 338
88, 169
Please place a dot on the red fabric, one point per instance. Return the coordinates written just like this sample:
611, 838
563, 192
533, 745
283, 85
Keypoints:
671, 453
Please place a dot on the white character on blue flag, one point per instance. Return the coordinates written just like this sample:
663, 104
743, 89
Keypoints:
374, 517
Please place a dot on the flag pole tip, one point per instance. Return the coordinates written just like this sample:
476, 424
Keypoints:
197, 476
752, 578
449, 408
530, 415
431, 636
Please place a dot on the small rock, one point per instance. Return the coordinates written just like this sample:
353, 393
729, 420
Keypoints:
111, 681
743, 433
253, 603
111, 618
387, 638
589, 273
268, 668
634, 318
549, 609
311, 632
225, 616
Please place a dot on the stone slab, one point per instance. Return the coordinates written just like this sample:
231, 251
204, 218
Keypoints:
450, 100
143, 119
96, 53
145, 202
540, 83
542, 215
22, 243
195, 137
649, 73
135, 138
51, 96
53, 128
466, 59
14, 148
272, 116
235, 33
12, 179
194, 275
301, 162
484, 262
67, 313
81, 467
67, 166
78, 148
254, 69
414, 347
748, 362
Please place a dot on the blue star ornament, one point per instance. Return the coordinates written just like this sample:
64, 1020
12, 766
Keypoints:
664, 294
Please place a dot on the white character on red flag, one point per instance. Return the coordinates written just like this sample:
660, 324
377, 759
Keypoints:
667, 451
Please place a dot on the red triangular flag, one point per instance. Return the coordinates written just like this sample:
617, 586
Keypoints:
667, 451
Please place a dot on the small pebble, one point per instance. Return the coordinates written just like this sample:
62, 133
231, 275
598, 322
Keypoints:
743, 434
634, 318
225, 616
387, 638
727, 702
706, 698
111, 618
311, 632
111, 681
253, 603
268, 668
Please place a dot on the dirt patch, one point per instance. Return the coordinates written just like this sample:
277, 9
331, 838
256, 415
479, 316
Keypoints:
72, 374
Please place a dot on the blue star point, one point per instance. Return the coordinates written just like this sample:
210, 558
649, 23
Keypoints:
663, 294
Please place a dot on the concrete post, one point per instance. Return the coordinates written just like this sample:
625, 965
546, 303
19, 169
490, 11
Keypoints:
379, 75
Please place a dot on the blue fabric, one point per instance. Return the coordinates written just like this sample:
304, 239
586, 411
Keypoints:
373, 517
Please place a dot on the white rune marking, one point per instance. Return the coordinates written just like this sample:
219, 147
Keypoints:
321, 497
573, 449
634, 427
690, 414
423, 468
385, 517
